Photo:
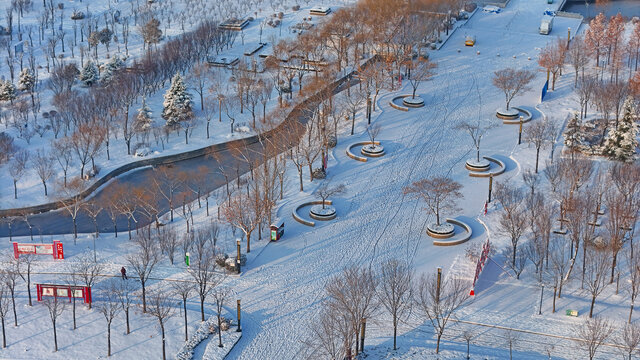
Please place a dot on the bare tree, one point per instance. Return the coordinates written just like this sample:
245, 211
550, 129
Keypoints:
513, 222
183, 289
633, 263
24, 266
540, 134
160, 308
629, 339
353, 294
169, 241
373, 131
468, 335
439, 194
56, 308
124, 290
395, 291
43, 164
512, 82
439, 301
202, 268
476, 130
326, 191
592, 334
512, 338
9, 277
17, 167
331, 334
220, 295
5, 300
597, 265
69, 196
240, 213
421, 69
143, 262
88, 270
110, 308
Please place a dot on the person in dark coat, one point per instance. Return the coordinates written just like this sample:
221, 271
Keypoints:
123, 271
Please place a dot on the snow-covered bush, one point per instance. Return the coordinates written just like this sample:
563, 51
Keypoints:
7, 91
203, 332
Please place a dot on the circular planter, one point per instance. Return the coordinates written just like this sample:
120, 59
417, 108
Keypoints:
318, 213
372, 150
505, 114
445, 230
482, 165
416, 102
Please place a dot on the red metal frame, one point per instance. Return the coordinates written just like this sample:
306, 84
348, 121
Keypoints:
64, 291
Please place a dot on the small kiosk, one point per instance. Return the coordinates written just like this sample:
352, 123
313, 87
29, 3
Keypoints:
277, 231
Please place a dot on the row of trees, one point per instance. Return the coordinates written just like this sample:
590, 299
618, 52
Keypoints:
359, 294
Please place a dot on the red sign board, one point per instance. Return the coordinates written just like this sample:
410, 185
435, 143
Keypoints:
64, 291
55, 249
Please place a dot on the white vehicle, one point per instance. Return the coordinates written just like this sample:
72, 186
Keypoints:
546, 25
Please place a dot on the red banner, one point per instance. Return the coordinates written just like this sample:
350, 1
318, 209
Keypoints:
55, 249
484, 255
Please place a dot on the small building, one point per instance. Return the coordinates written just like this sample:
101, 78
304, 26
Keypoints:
320, 10
223, 61
234, 24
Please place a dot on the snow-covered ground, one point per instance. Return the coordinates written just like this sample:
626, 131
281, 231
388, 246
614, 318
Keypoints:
283, 282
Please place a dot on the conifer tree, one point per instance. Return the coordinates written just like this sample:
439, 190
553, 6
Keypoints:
7, 91
89, 74
573, 135
114, 64
177, 104
27, 81
143, 120
621, 143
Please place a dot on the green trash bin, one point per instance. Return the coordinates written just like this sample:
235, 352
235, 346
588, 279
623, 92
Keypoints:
573, 313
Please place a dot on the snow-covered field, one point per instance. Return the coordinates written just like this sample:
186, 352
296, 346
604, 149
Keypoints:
282, 285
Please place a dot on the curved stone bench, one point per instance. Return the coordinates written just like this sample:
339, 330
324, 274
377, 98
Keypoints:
356, 157
501, 170
526, 118
396, 106
302, 221
458, 238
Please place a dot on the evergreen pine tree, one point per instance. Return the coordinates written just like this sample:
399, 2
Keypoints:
89, 74
573, 135
621, 143
27, 81
114, 64
143, 121
177, 104
7, 91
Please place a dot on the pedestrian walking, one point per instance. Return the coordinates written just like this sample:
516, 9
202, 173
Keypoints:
123, 271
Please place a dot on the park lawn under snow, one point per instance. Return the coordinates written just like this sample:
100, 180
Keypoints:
282, 285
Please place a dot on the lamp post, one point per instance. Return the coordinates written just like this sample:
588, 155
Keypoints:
520, 131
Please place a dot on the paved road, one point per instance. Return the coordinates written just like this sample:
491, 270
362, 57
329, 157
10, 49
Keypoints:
60, 222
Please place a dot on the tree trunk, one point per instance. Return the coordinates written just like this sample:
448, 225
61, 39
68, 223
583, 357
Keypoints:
593, 303
144, 298
300, 175
4, 336
55, 337
248, 243
29, 285
108, 339
73, 311
395, 332
186, 329
164, 354
126, 315
438, 343
630, 312
15, 189
201, 308
537, 158
219, 332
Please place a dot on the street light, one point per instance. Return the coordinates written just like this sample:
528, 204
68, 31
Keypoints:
520, 132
